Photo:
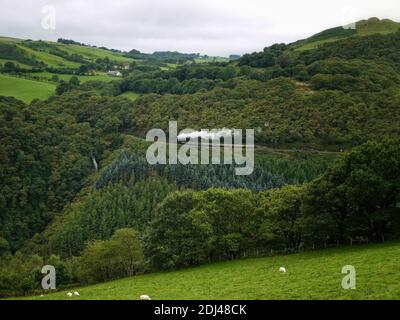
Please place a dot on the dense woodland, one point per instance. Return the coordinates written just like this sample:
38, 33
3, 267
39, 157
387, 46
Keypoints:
334, 97
77, 193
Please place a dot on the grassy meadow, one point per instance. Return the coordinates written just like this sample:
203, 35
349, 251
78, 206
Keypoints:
92, 53
130, 95
310, 275
363, 28
67, 77
49, 59
25, 89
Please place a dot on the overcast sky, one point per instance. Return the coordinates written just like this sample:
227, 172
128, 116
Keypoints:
214, 27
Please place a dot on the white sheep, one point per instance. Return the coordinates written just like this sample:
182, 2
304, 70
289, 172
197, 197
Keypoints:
282, 269
144, 297
69, 294
76, 293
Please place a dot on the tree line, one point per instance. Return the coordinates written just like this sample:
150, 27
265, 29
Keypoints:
356, 200
143, 226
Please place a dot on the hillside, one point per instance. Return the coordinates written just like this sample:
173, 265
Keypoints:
310, 275
79, 194
25, 89
33, 69
47, 64
66, 54
54, 54
357, 29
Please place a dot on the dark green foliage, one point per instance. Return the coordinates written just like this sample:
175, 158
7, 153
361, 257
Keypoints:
193, 228
129, 190
338, 32
13, 52
46, 153
102, 260
54, 50
182, 80
9, 67
74, 81
102, 212
271, 170
285, 113
131, 168
296, 168
352, 75
164, 56
267, 58
380, 48
63, 87
356, 200
109, 89
336, 96
282, 220
359, 195
19, 274
162, 86
69, 41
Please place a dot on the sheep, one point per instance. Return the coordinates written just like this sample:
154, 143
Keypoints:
76, 293
69, 294
144, 297
282, 269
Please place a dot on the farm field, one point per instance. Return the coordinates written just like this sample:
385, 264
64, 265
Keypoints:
363, 28
3, 61
25, 89
92, 53
130, 95
49, 59
310, 275
81, 196
67, 77
211, 59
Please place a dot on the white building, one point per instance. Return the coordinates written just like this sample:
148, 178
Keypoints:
114, 73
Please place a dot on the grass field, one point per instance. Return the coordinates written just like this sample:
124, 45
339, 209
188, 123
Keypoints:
24, 89
363, 27
66, 77
92, 53
371, 26
211, 59
50, 59
3, 61
9, 40
316, 44
310, 275
130, 95
88, 53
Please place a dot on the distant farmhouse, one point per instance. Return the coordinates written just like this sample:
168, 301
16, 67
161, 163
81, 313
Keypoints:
114, 73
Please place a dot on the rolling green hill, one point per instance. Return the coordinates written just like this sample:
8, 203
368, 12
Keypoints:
49, 59
25, 89
58, 54
310, 275
130, 95
66, 77
53, 62
374, 25
75, 178
49, 52
360, 28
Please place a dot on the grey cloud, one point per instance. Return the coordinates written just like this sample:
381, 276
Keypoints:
216, 27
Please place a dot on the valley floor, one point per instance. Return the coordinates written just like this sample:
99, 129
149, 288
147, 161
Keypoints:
310, 275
